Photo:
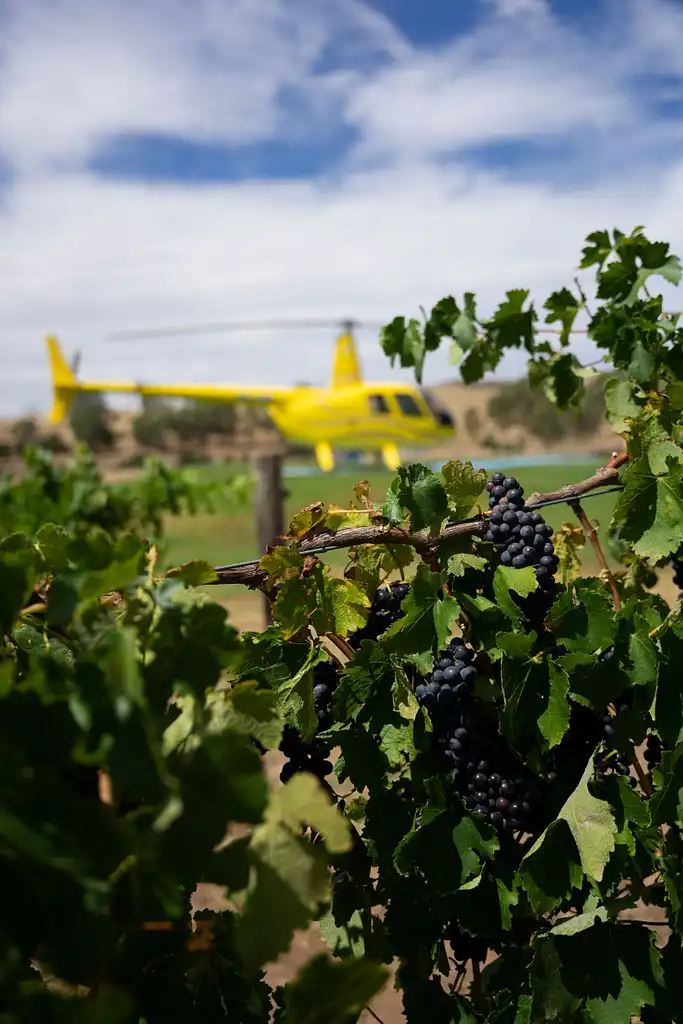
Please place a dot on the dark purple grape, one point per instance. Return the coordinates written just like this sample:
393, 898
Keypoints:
461, 653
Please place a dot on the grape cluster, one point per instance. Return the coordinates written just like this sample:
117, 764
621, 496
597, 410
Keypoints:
453, 676
677, 566
385, 609
303, 757
312, 757
523, 539
465, 946
492, 787
325, 678
653, 751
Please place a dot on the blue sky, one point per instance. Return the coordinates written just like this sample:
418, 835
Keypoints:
166, 163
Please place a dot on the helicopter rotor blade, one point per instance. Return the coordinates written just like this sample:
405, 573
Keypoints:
246, 325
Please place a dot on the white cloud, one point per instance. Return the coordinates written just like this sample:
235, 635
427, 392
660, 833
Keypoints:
516, 8
75, 73
81, 256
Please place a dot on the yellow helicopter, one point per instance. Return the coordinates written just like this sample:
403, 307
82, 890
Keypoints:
349, 413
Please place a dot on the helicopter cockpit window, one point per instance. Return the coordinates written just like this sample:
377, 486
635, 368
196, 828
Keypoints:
408, 405
441, 415
378, 403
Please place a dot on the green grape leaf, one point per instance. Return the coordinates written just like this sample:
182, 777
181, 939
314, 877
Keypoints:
579, 922
341, 606
282, 563
404, 342
669, 695
429, 615
246, 708
464, 485
597, 249
612, 971
554, 721
592, 825
551, 869
53, 542
420, 492
288, 872
345, 518
396, 743
295, 694
302, 801
642, 365
465, 325
642, 652
508, 581
116, 576
18, 565
403, 697
447, 848
623, 406
324, 992
346, 939
295, 603
563, 307
194, 574
516, 645
569, 541
459, 563
649, 511
511, 326
534, 693
484, 904
371, 561
369, 673
661, 453
583, 617
305, 521
666, 804
670, 270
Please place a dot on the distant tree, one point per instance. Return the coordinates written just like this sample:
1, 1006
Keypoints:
518, 404
152, 424
24, 433
89, 419
54, 442
473, 421
195, 420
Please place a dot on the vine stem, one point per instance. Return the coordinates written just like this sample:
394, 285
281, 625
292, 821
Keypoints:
475, 987
374, 1015
250, 574
643, 778
591, 533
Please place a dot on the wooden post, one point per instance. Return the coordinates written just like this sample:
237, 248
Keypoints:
269, 507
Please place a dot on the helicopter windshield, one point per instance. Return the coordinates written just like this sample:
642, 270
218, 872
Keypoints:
440, 414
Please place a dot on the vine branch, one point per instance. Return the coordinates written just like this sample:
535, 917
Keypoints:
251, 575
591, 533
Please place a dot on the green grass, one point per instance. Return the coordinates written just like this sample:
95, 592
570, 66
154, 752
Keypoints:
225, 539
222, 539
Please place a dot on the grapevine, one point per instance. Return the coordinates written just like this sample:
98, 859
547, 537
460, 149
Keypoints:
478, 744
